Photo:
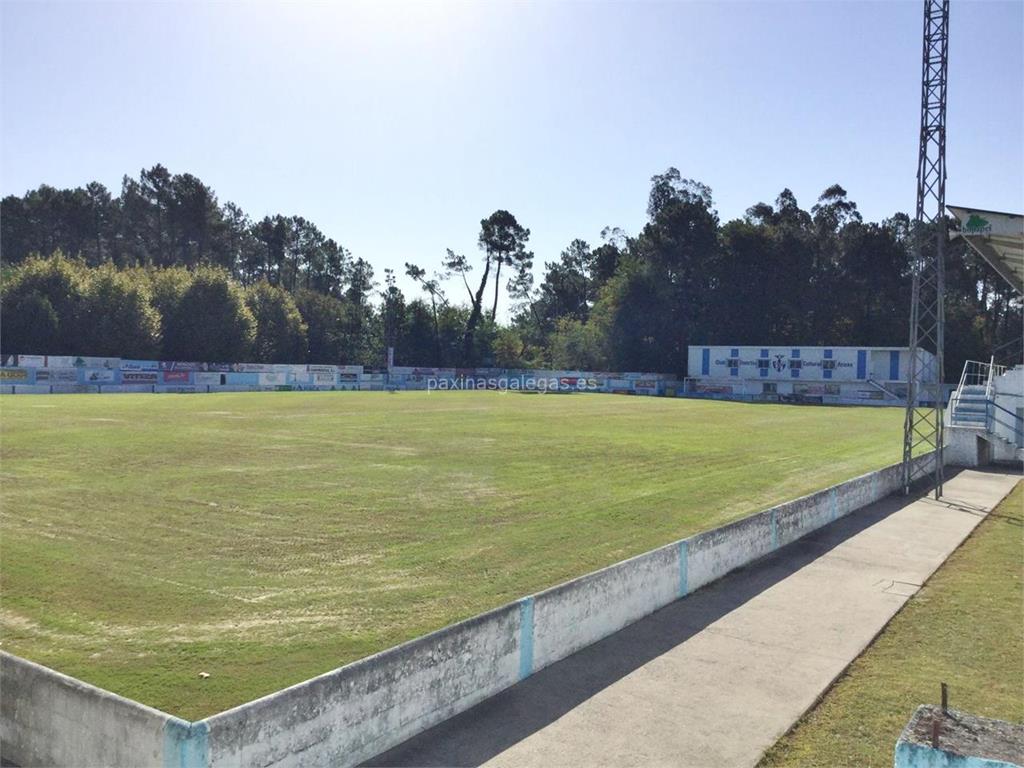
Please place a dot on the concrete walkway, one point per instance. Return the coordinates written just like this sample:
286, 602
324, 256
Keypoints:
716, 678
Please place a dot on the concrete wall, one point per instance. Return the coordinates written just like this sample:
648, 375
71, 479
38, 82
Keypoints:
47, 718
1009, 395
355, 712
573, 615
976, 447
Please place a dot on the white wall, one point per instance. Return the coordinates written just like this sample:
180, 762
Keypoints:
796, 363
1009, 394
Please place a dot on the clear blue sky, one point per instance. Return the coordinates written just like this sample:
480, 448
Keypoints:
397, 127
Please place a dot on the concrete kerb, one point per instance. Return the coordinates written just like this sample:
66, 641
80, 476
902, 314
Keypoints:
357, 711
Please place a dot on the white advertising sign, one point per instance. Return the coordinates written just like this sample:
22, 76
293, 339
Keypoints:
254, 368
101, 376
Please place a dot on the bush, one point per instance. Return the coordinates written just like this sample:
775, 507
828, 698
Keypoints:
210, 321
280, 333
578, 345
41, 304
118, 318
30, 324
336, 330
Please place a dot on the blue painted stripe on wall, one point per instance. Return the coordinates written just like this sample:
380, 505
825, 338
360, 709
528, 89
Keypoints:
862, 364
827, 374
764, 353
186, 745
683, 578
828, 354
705, 362
197, 751
525, 637
734, 353
796, 353
894, 365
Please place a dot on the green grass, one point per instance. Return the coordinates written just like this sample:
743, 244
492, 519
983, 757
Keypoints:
962, 628
266, 538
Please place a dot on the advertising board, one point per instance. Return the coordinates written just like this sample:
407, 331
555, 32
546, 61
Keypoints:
140, 377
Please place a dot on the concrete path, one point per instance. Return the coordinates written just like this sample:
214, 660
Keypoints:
716, 678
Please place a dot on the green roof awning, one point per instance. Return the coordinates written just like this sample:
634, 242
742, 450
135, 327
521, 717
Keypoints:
996, 237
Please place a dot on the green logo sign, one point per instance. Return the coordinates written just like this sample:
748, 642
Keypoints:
976, 225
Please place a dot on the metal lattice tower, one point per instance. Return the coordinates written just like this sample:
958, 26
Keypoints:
923, 428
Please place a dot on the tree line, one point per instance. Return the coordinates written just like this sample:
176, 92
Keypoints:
163, 269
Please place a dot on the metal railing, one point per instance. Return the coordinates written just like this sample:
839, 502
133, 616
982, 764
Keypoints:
976, 374
994, 415
979, 408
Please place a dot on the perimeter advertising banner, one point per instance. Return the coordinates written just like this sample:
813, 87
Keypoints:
140, 377
62, 361
273, 379
253, 367
205, 377
815, 389
56, 375
72, 373
109, 363
139, 365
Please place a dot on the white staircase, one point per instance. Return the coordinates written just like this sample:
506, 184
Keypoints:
970, 406
979, 410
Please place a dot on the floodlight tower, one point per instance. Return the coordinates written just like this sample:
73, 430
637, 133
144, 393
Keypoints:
922, 429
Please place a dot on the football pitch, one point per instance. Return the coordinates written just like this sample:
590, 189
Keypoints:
263, 538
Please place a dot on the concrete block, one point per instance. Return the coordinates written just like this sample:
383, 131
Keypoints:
961, 741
